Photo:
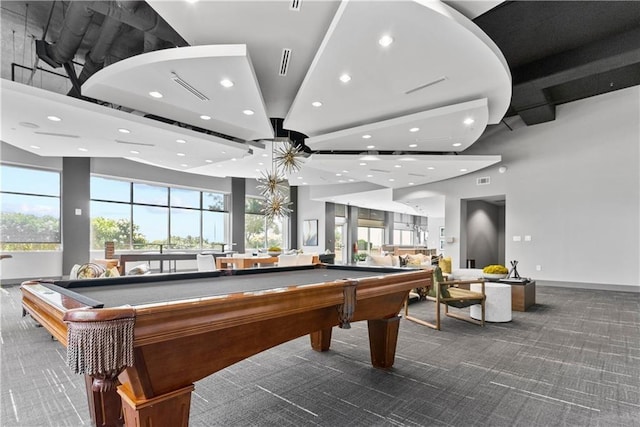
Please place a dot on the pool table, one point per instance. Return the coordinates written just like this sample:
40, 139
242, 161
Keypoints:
142, 341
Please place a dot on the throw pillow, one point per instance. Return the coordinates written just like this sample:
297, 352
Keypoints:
90, 271
381, 260
437, 280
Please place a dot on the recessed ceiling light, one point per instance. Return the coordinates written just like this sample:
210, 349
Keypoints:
265, 155
363, 164
184, 165
391, 179
204, 117
351, 179
54, 118
457, 144
134, 152
123, 130
209, 161
181, 141
370, 147
345, 171
34, 147
468, 121
338, 174
248, 112
84, 150
316, 104
342, 181
463, 170
385, 40
413, 145
304, 183
397, 166
414, 129
367, 136
300, 177
411, 183
223, 152
226, 83
234, 159
345, 78
431, 168
155, 94
181, 154
369, 176
260, 163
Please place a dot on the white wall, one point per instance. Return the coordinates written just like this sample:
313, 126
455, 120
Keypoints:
433, 227
310, 209
573, 185
30, 265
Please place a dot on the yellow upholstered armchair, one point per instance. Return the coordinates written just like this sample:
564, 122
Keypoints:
451, 294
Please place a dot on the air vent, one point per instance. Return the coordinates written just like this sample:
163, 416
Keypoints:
295, 5
417, 174
485, 180
284, 61
63, 135
192, 90
426, 85
134, 143
380, 170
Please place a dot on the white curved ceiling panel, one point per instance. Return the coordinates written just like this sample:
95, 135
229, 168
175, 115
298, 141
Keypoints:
267, 28
451, 128
393, 171
434, 60
91, 130
129, 83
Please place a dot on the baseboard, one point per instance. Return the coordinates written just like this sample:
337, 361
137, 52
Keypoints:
590, 286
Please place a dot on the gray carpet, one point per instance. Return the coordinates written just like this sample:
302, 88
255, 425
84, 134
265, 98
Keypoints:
572, 360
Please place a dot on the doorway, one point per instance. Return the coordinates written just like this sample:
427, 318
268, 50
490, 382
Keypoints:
483, 228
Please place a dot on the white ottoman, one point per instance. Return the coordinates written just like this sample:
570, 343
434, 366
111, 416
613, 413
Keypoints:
497, 307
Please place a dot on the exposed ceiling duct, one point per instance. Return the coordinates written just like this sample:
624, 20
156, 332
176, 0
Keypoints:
117, 14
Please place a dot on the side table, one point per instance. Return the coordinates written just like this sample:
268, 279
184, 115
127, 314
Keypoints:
523, 295
498, 303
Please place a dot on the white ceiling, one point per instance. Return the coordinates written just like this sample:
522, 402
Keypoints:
439, 71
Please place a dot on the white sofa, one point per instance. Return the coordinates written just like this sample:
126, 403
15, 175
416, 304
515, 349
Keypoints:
465, 274
295, 259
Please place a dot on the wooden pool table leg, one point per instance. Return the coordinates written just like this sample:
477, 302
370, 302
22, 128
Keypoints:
321, 340
383, 337
169, 409
105, 407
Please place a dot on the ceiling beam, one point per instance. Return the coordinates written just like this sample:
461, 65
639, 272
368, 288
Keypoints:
531, 98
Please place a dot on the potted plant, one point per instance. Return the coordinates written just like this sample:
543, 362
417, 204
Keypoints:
495, 271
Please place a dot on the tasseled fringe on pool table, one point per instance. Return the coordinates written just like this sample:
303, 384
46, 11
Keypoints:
100, 347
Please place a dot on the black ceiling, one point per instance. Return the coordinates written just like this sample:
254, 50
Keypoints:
562, 51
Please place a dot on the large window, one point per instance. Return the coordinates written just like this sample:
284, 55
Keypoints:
29, 208
403, 237
260, 231
143, 216
370, 239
